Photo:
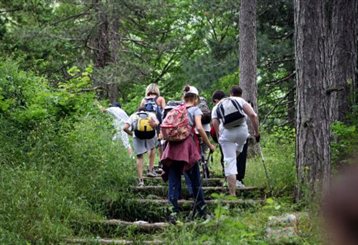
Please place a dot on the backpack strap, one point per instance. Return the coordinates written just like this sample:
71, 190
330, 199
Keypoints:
236, 104
220, 109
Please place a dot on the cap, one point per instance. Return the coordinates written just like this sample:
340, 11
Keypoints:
192, 90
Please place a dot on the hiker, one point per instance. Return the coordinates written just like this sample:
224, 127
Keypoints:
236, 91
155, 103
141, 125
183, 156
216, 97
171, 105
205, 121
119, 119
230, 113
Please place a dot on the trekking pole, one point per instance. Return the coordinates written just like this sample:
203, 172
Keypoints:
266, 173
197, 195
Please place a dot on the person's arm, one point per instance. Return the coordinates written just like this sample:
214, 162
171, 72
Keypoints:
126, 129
215, 123
202, 133
142, 103
162, 103
253, 118
153, 120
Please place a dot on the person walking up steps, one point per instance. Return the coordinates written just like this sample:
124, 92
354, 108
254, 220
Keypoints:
119, 119
230, 114
141, 125
217, 96
153, 102
181, 152
236, 91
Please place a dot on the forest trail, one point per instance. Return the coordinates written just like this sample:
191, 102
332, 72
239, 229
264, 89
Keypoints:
148, 229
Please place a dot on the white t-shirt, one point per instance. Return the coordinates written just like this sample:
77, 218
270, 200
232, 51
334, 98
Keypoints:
119, 115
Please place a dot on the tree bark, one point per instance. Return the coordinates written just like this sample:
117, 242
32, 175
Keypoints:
312, 122
105, 43
248, 60
342, 56
248, 51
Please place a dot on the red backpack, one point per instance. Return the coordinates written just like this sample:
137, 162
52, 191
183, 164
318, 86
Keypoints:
176, 126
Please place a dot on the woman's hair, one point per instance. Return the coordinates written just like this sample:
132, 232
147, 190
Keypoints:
140, 108
116, 104
152, 89
188, 96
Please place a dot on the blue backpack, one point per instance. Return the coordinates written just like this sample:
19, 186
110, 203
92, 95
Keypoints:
151, 105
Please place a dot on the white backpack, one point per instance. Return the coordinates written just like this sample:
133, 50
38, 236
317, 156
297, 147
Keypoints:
231, 113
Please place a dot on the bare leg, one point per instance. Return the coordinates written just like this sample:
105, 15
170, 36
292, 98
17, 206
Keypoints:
140, 167
129, 150
151, 155
231, 180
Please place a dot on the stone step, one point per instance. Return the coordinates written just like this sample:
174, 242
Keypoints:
118, 227
108, 241
205, 182
208, 191
139, 225
211, 203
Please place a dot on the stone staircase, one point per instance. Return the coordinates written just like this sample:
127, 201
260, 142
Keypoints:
153, 195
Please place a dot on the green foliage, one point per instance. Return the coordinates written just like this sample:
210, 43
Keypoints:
64, 167
38, 206
279, 158
345, 140
242, 227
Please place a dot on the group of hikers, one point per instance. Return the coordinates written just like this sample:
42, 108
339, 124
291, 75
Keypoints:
180, 130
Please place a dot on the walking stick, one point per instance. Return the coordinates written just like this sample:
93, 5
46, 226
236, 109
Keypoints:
266, 173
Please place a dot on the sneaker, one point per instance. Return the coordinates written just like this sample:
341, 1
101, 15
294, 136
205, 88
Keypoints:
158, 170
151, 174
239, 184
140, 183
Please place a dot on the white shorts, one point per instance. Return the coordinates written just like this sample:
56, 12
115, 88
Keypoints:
232, 142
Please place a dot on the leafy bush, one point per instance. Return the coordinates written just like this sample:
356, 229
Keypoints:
279, 158
59, 166
345, 139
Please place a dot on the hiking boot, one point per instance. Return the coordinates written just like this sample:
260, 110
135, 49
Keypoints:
239, 184
206, 218
151, 174
158, 170
140, 183
172, 218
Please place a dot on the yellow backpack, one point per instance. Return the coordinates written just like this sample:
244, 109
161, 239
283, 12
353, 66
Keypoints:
142, 128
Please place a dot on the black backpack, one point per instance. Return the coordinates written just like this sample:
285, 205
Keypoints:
203, 105
151, 105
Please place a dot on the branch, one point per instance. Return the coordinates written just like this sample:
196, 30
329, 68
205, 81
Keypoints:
71, 17
270, 63
277, 104
288, 77
166, 68
334, 89
9, 10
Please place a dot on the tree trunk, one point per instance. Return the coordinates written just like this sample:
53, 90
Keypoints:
248, 60
248, 51
312, 122
342, 57
105, 44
